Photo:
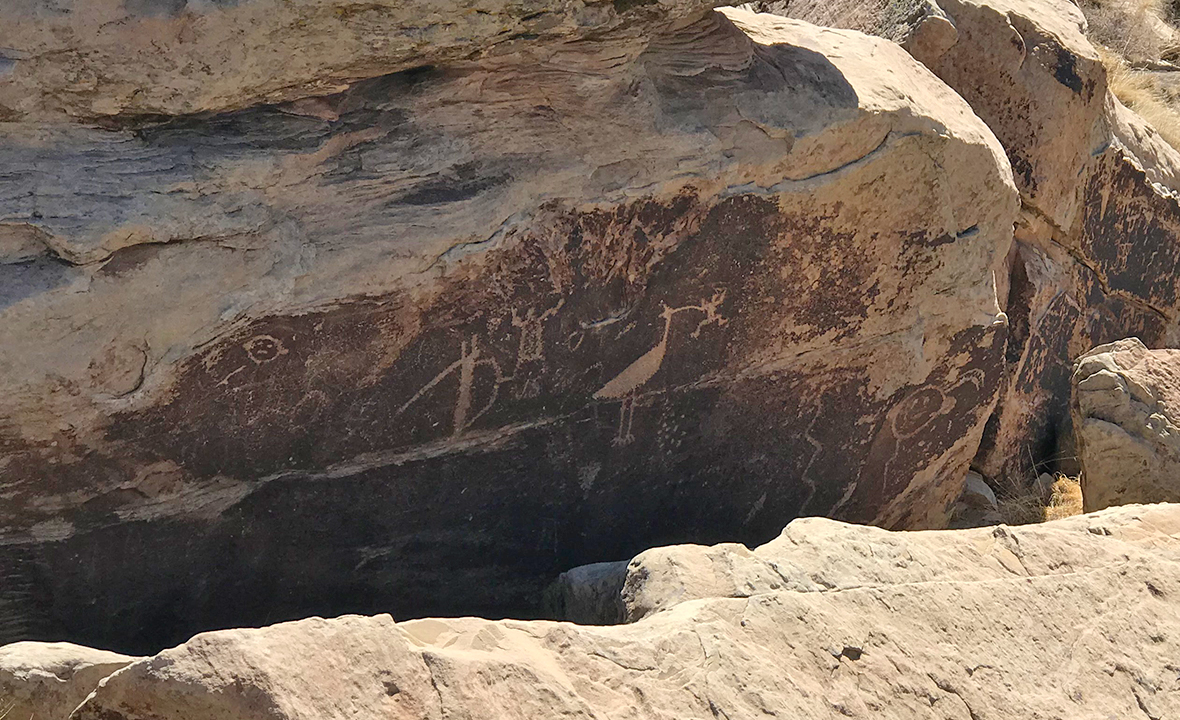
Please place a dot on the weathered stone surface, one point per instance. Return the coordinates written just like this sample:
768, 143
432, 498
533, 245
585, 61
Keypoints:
1095, 640
46, 681
103, 58
421, 345
1126, 406
1097, 256
819, 555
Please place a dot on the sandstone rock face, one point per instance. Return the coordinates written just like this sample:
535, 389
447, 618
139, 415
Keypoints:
108, 58
977, 506
421, 344
1097, 256
1126, 407
895, 635
47, 681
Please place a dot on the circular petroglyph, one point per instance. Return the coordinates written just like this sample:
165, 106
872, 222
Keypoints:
917, 410
264, 348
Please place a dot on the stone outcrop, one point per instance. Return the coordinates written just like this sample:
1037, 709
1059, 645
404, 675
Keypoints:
1097, 256
950, 624
819, 555
977, 505
419, 344
46, 681
1126, 407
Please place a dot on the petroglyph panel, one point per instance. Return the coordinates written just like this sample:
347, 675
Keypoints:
420, 345
1118, 277
526, 420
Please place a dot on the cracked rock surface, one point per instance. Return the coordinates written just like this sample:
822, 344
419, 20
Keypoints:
1072, 619
420, 343
1097, 256
1126, 405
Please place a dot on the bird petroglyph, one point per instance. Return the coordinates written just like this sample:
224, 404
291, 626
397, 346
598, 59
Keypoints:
626, 385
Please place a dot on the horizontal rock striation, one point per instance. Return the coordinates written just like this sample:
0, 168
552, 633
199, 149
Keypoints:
111, 59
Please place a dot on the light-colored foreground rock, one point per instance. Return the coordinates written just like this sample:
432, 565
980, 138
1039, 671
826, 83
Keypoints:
419, 345
819, 555
1126, 408
1097, 256
977, 506
1098, 640
46, 681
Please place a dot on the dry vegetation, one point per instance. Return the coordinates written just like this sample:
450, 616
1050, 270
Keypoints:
1021, 506
1138, 43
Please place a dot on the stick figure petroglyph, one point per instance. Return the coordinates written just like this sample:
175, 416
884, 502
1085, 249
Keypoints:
469, 360
627, 384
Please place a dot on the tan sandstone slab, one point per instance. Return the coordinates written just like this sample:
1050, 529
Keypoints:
46, 681
820, 555
109, 58
1097, 256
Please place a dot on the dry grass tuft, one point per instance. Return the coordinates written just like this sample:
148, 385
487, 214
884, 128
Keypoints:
1140, 91
1132, 37
1028, 505
1134, 29
1066, 500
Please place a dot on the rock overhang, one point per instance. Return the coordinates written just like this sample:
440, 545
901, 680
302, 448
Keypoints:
422, 344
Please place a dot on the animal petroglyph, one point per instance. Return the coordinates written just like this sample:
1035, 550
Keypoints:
469, 360
626, 385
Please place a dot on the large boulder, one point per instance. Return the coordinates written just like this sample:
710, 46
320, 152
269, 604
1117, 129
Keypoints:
1097, 256
420, 345
1098, 639
1126, 408
46, 681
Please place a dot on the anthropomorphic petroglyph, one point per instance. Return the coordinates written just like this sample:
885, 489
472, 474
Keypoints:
532, 332
264, 348
470, 358
627, 384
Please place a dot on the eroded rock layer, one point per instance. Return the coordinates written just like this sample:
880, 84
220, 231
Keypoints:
420, 345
